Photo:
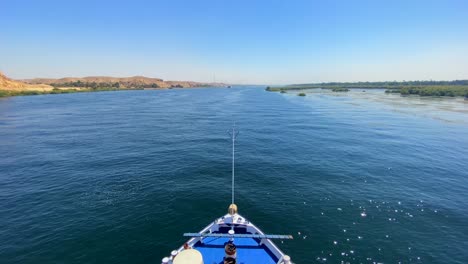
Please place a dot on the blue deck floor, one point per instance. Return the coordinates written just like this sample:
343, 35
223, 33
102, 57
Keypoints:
248, 251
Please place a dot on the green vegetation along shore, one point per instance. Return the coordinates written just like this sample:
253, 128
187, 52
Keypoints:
447, 90
422, 88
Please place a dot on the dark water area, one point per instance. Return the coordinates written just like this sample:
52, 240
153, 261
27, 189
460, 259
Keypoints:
118, 177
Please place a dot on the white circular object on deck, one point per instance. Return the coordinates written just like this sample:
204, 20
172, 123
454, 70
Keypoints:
189, 256
231, 232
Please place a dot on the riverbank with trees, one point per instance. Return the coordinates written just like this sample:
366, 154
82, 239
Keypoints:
422, 88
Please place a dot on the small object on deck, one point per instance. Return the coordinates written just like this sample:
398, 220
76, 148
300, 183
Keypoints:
189, 256
231, 232
165, 260
230, 249
286, 259
186, 246
174, 253
229, 261
232, 210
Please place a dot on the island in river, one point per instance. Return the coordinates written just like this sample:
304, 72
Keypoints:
10, 87
422, 88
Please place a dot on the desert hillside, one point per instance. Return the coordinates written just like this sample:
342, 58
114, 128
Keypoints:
12, 85
117, 82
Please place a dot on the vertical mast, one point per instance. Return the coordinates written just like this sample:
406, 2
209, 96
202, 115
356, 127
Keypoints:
233, 149
233, 134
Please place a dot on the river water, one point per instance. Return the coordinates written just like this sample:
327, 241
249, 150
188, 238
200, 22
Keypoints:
118, 177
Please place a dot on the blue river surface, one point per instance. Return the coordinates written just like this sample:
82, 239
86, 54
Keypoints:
118, 177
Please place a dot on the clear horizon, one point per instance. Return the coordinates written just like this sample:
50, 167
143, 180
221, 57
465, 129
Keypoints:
266, 42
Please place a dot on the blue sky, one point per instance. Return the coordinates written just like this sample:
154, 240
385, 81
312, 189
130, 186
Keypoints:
258, 42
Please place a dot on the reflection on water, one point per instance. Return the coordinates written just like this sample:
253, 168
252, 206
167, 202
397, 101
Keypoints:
446, 109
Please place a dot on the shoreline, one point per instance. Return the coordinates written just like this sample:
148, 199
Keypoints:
13, 93
421, 90
38, 86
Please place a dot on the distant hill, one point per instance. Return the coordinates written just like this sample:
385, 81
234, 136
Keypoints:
9, 87
117, 82
12, 85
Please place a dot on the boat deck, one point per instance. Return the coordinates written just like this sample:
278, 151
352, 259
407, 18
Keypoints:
248, 251
251, 244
